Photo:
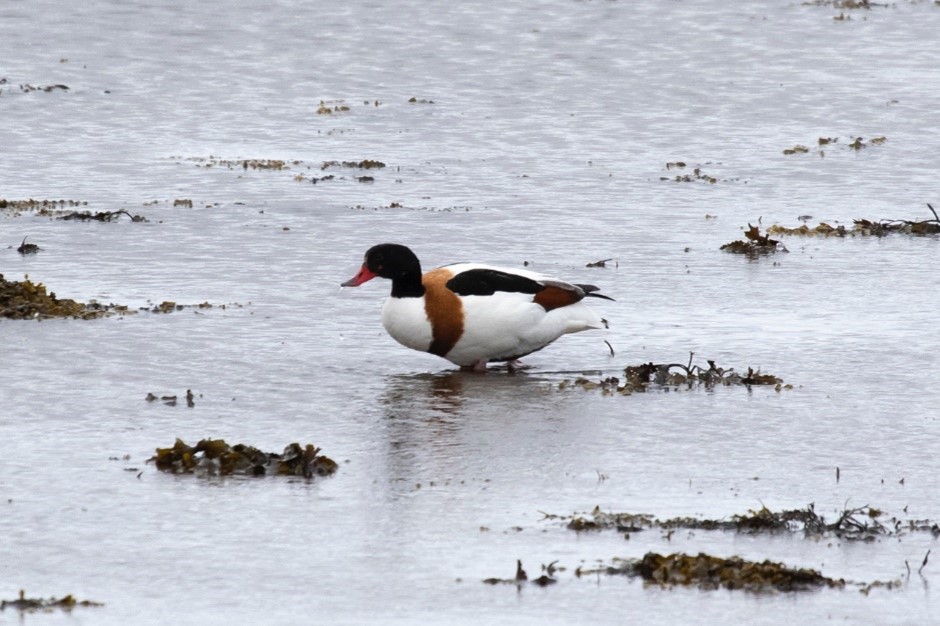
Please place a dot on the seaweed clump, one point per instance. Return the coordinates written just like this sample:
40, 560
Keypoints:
365, 164
754, 244
28, 300
32, 605
711, 572
213, 457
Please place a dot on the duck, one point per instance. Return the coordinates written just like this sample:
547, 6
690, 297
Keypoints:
473, 314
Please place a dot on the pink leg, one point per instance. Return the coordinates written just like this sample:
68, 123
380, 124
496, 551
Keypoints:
479, 366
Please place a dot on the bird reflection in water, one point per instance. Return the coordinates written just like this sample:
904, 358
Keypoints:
438, 420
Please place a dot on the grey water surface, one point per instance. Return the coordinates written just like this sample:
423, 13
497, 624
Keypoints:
539, 134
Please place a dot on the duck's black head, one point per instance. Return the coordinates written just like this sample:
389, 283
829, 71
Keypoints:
395, 262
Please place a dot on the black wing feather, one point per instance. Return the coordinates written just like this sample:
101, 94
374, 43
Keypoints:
486, 282
590, 289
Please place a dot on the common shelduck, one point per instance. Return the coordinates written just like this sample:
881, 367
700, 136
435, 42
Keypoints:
473, 314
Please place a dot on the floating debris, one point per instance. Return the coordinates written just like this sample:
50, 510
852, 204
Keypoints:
864, 228
521, 577
328, 107
639, 378
601, 263
797, 149
697, 175
28, 248
855, 524
859, 143
171, 400
847, 4
33, 605
711, 572
212, 457
365, 164
99, 216
755, 245
243, 164
27, 88
822, 229
18, 207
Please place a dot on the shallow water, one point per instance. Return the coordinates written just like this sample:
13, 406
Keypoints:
549, 131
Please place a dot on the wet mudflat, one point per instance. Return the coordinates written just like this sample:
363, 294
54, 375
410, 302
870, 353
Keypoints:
249, 142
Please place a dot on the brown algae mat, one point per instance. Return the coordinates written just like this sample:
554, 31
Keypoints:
215, 457
26, 300
706, 571
710, 572
864, 228
703, 571
754, 244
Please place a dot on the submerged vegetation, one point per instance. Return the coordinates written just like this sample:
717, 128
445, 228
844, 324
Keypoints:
215, 457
